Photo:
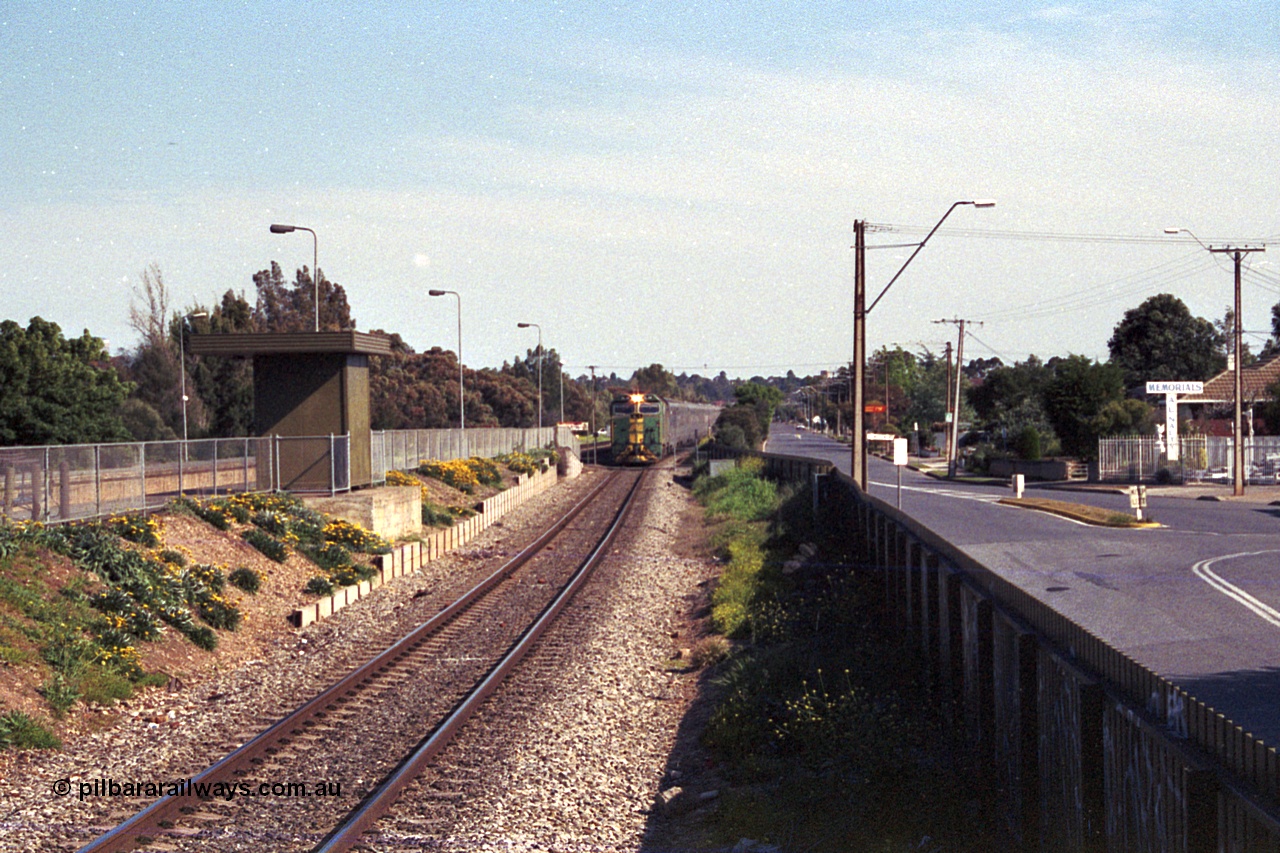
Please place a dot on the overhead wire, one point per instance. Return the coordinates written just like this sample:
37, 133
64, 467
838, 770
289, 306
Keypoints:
1149, 280
1052, 236
969, 334
1111, 290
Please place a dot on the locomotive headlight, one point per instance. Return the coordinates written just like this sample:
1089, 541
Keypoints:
637, 398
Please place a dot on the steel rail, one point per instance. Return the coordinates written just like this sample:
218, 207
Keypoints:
380, 800
146, 822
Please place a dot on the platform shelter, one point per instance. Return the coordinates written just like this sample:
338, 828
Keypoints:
307, 384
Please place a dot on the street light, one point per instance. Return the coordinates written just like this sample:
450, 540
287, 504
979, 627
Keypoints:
1237, 479
859, 391
807, 404
315, 262
539, 328
182, 367
462, 418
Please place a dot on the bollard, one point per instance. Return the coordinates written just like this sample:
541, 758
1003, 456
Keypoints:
1019, 482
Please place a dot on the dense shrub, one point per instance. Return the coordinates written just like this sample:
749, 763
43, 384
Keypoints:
246, 579
319, 586
456, 473
268, 545
740, 493
20, 731
436, 516
1027, 445
355, 537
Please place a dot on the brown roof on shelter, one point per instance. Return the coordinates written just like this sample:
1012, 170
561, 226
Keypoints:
283, 343
1254, 380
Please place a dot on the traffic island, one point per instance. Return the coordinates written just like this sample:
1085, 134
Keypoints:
1080, 512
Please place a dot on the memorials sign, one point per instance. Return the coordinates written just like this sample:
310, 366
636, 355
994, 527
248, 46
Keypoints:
1171, 390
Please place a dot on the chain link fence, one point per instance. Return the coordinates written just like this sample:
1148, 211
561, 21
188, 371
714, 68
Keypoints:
405, 449
70, 482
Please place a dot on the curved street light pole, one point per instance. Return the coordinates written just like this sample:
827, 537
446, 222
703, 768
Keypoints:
1237, 252
539, 328
182, 368
858, 469
315, 262
462, 416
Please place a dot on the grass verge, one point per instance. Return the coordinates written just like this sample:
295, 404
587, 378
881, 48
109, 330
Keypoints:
1080, 512
823, 730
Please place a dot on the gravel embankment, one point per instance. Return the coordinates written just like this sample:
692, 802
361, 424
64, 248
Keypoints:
584, 786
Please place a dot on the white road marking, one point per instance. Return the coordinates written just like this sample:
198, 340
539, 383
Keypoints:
1204, 571
946, 493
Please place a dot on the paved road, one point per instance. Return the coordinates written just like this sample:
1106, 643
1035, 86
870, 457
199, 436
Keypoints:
1197, 600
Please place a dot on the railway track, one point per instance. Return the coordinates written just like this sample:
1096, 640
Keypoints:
323, 773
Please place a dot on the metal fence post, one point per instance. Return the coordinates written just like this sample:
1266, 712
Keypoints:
97, 479
64, 489
215, 467
10, 488
142, 466
333, 473
46, 479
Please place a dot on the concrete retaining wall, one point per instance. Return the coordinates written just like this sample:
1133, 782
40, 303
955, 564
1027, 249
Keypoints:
409, 557
1086, 749
392, 512
1042, 469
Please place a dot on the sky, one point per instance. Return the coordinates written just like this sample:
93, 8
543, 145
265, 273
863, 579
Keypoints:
651, 182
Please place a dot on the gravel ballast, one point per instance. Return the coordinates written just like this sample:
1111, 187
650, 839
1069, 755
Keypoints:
593, 751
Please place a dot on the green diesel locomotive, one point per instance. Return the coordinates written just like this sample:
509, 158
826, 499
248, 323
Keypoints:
641, 428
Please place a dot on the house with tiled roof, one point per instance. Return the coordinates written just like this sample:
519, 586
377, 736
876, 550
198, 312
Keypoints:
1219, 392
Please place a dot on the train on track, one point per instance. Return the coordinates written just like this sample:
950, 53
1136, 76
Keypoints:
646, 427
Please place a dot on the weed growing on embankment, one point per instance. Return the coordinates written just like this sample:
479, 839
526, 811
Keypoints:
821, 725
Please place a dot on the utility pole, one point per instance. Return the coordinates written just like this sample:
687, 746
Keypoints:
858, 469
1237, 479
1237, 253
953, 444
886, 387
858, 428
595, 451
946, 431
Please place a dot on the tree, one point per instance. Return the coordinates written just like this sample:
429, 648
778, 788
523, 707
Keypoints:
1227, 329
57, 391
283, 307
656, 379
1124, 417
143, 422
1160, 340
762, 399
738, 426
224, 386
925, 399
1011, 399
1078, 392
152, 367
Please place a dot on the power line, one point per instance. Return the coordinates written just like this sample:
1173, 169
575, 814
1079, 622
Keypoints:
990, 348
1042, 236
715, 368
1109, 290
